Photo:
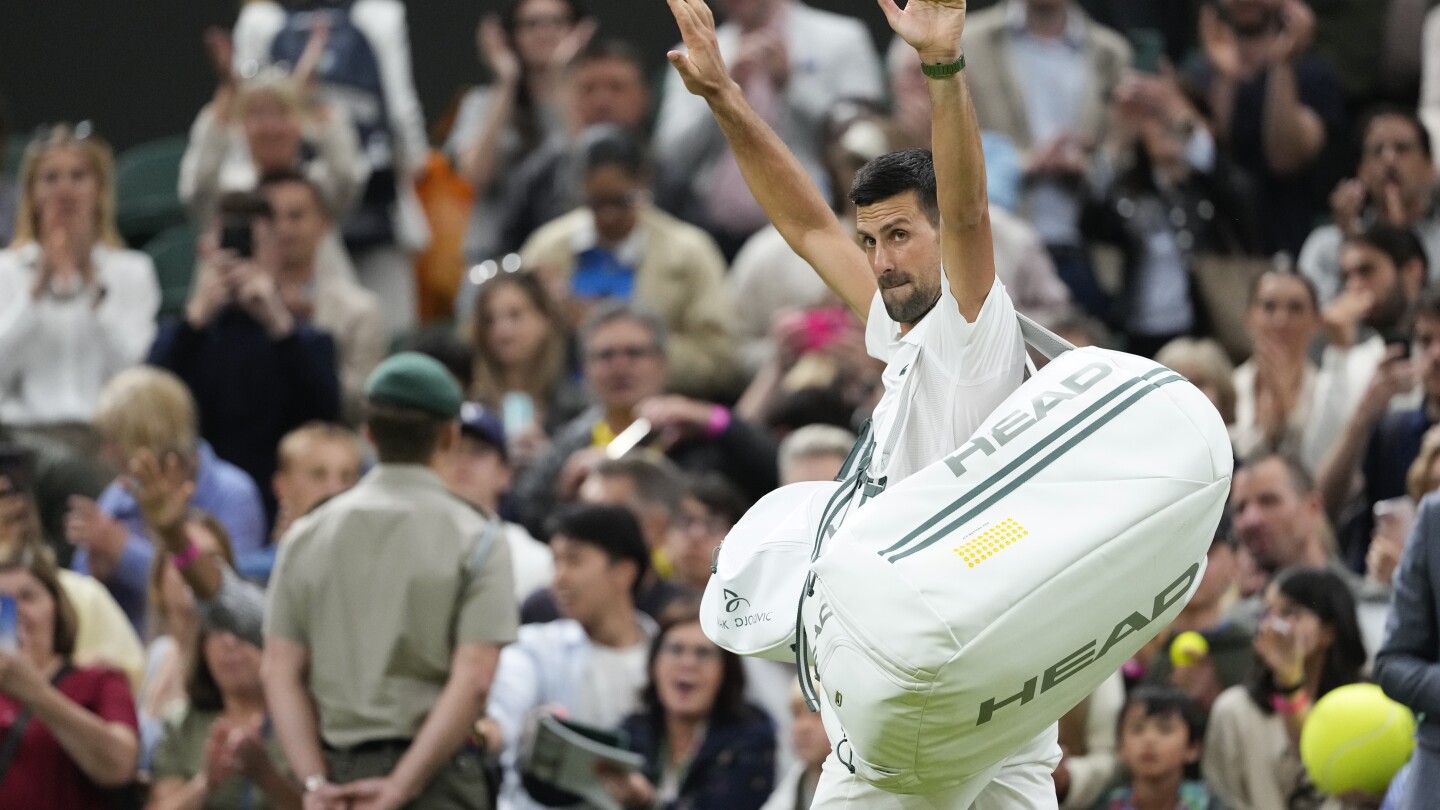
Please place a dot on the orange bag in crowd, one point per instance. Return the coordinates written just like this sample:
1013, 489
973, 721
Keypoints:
447, 200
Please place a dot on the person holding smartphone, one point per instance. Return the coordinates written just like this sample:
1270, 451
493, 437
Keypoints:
72, 730
256, 370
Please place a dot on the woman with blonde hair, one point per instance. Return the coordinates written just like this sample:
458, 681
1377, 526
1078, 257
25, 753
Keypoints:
149, 409
76, 307
257, 125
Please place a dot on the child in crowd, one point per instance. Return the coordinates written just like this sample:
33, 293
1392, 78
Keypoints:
1161, 736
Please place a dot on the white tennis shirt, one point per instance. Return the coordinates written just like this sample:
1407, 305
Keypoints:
942, 379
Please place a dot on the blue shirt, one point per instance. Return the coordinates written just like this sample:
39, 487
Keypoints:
1054, 75
221, 488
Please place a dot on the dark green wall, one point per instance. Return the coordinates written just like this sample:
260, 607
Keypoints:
138, 69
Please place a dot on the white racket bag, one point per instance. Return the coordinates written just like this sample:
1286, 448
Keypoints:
964, 610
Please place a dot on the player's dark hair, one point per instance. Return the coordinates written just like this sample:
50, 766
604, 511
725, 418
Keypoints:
894, 174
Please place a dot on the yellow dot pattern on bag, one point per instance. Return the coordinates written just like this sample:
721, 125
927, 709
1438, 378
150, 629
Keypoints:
990, 542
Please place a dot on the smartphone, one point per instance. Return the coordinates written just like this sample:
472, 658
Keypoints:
1149, 50
9, 617
236, 236
17, 467
517, 411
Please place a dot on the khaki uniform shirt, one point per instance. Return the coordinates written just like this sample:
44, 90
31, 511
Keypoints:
380, 584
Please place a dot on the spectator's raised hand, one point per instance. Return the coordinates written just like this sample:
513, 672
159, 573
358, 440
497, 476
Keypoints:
221, 50
676, 418
573, 43
308, 65
1347, 202
763, 52
1296, 34
493, 47
1341, 317
700, 65
246, 748
102, 536
1282, 648
213, 289
162, 488
219, 764
1395, 375
931, 27
19, 679
257, 293
1218, 39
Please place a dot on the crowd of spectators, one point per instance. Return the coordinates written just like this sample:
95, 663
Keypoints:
1245, 190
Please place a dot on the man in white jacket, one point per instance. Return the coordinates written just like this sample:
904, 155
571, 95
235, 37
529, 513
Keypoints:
922, 276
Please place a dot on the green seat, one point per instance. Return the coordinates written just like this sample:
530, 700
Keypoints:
146, 181
173, 252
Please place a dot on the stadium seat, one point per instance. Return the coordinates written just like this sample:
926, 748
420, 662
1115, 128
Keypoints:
146, 177
173, 252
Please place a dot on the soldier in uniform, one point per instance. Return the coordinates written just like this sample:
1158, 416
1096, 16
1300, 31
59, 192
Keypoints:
387, 611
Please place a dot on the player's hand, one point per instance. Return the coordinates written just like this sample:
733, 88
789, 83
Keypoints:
700, 65
931, 27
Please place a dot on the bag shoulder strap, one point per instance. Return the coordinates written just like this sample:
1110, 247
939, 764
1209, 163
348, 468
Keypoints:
1042, 340
10, 746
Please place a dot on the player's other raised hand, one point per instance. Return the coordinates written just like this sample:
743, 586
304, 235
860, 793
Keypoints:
700, 64
931, 27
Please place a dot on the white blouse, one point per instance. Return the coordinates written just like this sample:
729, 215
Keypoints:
56, 355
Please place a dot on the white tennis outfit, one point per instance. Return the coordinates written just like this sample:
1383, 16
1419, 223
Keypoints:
942, 379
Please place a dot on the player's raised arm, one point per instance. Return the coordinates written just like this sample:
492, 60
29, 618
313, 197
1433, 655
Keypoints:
933, 28
778, 181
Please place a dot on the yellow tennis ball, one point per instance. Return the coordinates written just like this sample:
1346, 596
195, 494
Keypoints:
1356, 737
1188, 649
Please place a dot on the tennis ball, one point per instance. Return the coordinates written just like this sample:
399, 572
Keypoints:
1188, 649
1356, 737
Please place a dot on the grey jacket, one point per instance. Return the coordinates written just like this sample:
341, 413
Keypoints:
1408, 665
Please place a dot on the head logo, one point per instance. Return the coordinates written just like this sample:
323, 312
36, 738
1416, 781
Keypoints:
734, 601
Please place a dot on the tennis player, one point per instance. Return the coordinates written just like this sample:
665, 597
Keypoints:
922, 276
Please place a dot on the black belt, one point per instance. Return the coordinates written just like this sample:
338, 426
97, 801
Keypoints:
372, 746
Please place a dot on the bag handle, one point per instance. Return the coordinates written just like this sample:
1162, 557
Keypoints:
1042, 340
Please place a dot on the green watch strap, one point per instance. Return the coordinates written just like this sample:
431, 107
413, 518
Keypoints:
944, 71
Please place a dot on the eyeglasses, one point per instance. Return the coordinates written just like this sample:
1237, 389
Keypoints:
631, 353
677, 650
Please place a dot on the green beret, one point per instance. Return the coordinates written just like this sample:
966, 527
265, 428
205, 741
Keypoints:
414, 380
